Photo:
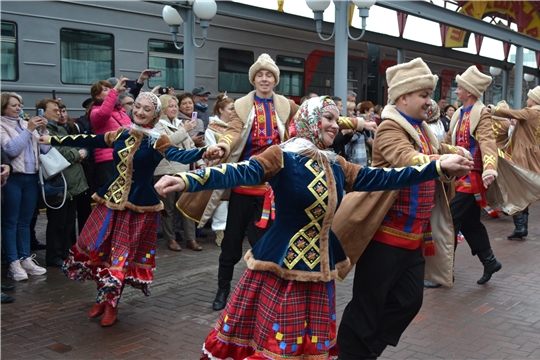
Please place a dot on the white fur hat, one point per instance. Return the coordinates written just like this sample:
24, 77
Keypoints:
264, 62
409, 77
534, 94
474, 81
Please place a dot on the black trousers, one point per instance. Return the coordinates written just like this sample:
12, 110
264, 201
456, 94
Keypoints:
387, 294
466, 217
244, 211
60, 227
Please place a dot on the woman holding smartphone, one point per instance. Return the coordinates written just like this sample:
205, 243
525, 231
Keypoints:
186, 107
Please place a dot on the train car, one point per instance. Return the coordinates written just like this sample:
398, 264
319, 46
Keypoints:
65, 46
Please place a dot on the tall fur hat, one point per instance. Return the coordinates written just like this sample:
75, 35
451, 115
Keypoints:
264, 62
474, 81
534, 94
409, 77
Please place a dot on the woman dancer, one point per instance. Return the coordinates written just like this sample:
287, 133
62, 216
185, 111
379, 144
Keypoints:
284, 305
118, 243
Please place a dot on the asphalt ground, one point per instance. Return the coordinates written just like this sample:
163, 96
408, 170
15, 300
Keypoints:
499, 320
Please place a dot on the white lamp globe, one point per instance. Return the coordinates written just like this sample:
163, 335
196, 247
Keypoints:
318, 5
363, 4
528, 77
495, 71
171, 16
205, 9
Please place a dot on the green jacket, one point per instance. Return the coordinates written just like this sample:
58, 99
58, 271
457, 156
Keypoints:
74, 174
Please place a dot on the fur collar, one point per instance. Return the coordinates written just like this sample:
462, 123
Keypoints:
536, 107
476, 113
390, 113
244, 105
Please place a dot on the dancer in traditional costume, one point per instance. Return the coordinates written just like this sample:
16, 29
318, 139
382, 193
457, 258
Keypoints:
284, 306
118, 243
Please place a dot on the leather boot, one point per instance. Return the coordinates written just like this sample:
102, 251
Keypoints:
491, 265
97, 310
109, 316
520, 221
224, 288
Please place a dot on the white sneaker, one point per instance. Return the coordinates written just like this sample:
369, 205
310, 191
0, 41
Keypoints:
16, 272
31, 266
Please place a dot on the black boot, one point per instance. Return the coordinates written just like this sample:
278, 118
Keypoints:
224, 288
521, 221
491, 265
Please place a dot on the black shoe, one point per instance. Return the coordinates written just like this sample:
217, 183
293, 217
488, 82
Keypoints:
521, 224
221, 299
38, 246
55, 263
431, 284
6, 299
491, 265
7, 287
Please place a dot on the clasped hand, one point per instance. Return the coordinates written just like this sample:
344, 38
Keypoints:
456, 165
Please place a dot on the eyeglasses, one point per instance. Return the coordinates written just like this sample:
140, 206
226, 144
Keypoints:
128, 103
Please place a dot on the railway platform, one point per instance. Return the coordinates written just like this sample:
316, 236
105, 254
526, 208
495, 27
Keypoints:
499, 320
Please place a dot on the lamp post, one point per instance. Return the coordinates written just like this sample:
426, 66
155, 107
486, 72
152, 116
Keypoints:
496, 71
342, 35
185, 11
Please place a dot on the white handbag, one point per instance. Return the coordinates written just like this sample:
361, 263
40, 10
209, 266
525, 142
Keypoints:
52, 163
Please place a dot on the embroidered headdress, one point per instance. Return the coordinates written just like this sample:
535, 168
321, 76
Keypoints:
433, 112
154, 100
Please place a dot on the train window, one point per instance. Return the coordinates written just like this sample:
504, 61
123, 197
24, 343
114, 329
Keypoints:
233, 70
291, 77
86, 56
10, 68
162, 55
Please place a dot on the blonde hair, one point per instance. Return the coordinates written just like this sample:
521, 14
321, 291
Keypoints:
5, 99
351, 105
165, 100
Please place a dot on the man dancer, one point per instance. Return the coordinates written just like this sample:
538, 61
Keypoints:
523, 146
389, 276
471, 129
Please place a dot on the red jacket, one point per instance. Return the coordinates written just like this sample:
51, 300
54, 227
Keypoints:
106, 117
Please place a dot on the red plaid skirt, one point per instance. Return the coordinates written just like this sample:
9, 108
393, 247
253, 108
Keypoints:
271, 318
115, 248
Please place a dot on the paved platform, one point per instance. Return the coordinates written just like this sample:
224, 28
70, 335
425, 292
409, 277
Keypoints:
499, 320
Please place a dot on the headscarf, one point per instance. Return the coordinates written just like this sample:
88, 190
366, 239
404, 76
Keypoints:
307, 124
149, 129
308, 119
433, 112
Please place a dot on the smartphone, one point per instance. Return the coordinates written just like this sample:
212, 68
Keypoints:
131, 84
163, 91
40, 112
54, 94
200, 133
194, 115
157, 73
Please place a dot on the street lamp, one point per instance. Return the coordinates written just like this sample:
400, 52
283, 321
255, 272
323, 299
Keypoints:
341, 33
528, 78
185, 11
495, 71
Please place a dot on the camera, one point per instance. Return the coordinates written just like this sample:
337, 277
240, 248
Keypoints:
163, 91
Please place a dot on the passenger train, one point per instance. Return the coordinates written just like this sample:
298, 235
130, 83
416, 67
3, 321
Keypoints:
66, 46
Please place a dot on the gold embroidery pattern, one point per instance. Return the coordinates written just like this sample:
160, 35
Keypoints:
227, 139
420, 159
202, 175
303, 245
537, 135
71, 137
489, 162
346, 123
116, 189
